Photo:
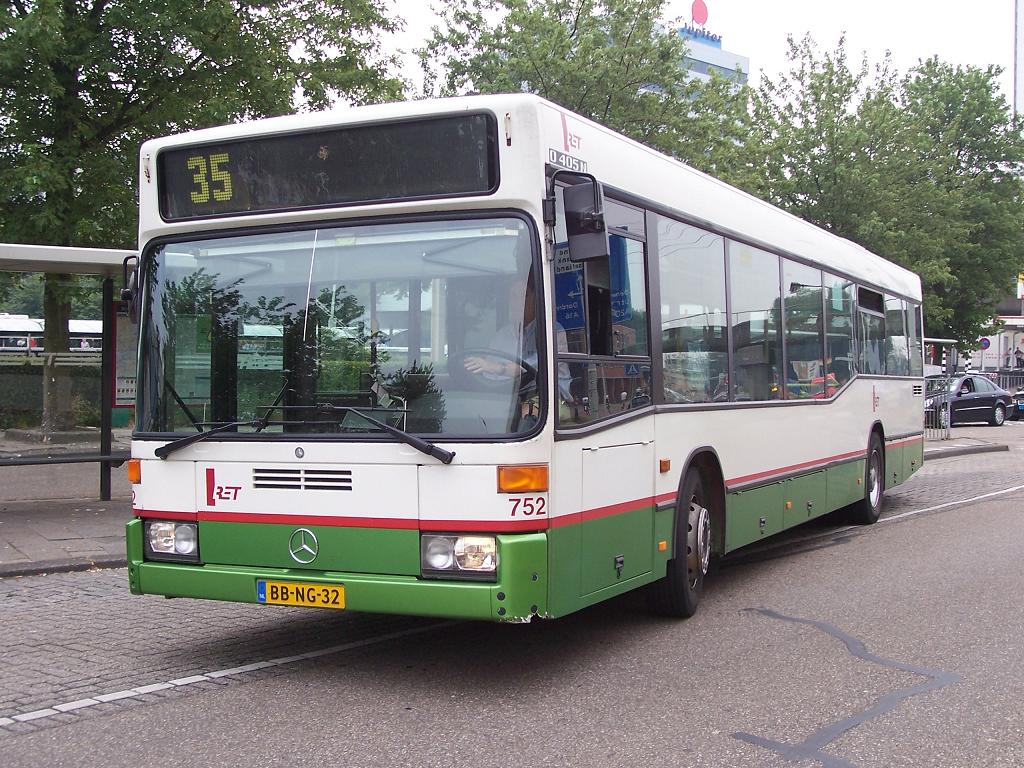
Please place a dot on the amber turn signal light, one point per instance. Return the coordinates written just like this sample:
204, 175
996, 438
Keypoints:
134, 471
532, 478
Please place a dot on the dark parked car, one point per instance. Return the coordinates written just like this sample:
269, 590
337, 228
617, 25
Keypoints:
965, 399
1017, 407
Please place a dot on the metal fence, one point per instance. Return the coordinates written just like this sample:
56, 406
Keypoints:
937, 399
1011, 382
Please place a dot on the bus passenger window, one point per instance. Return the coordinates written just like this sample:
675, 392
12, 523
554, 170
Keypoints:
600, 390
871, 332
805, 374
839, 323
694, 331
756, 323
601, 311
628, 297
897, 360
915, 340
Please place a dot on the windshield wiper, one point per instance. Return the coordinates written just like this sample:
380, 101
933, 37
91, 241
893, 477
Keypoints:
184, 442
421, 445
181, 404
274, 405
445, 457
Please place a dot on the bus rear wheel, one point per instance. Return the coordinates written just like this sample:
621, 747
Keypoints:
867, 510
679, 592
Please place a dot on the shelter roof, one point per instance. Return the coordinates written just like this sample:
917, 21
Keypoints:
61, 260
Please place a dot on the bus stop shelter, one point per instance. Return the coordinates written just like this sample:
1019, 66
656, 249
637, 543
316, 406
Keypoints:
108, 264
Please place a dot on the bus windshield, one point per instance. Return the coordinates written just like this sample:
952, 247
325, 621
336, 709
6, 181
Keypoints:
424, 326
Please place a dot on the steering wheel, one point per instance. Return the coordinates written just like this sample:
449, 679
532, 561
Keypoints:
484, 380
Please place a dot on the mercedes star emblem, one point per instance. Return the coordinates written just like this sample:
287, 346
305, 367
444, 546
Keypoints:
303, 546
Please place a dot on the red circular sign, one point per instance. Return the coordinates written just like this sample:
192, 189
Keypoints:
699, 12
985, 343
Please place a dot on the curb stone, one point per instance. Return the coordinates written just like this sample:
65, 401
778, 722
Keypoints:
40, 567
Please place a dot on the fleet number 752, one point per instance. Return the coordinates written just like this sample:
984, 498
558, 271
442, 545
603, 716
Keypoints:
528, 505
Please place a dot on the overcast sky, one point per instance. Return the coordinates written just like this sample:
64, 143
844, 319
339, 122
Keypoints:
978, 32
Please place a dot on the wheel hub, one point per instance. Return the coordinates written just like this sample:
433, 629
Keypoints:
874, 488
698, 542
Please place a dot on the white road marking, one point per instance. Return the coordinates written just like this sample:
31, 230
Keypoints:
38, 714
951, 504
92, 701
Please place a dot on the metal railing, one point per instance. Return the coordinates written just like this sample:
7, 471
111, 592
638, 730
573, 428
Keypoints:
1011, 382
937, 398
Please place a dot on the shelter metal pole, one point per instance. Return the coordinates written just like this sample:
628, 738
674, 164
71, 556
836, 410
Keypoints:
107, 386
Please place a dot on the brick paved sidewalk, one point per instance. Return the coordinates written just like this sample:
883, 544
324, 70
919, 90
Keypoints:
61, 535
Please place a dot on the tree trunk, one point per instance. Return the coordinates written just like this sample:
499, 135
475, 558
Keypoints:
57, 414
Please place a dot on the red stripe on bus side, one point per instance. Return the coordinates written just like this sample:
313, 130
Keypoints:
597, 513
793, 467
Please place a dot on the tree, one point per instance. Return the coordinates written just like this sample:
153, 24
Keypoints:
610, 61
977, 153
880, 159
84, 82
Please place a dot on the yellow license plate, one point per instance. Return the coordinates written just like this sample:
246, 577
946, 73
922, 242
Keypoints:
299, 593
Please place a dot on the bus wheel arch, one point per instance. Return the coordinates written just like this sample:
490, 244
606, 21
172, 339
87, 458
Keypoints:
699, 524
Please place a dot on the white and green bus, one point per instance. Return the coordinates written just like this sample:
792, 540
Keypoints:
484, 358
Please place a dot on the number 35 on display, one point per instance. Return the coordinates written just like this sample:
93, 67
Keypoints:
210, 177
527, 506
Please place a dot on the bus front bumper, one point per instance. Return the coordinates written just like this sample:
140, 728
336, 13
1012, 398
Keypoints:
519, 594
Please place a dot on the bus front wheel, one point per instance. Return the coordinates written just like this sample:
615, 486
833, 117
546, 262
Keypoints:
679, 592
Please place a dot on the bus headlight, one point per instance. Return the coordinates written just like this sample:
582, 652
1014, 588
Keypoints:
171, 540
459, 557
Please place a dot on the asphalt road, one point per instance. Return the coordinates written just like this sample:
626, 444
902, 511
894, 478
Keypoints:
894, 645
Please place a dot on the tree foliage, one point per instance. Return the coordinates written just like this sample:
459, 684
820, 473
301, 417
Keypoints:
84, 82
923, 169
610, 61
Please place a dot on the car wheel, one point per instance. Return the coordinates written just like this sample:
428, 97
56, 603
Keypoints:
679, 592
998, 415
867, 510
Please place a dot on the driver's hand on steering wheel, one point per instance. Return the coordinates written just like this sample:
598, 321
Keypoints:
495, 367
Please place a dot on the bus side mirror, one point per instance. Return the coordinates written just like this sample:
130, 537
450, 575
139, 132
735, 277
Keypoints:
584, 221
130, 292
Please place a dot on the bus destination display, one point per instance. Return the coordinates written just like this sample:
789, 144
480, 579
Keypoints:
446, 156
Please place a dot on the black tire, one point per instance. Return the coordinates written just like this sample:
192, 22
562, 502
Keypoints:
998, 415
867, 510
679, 593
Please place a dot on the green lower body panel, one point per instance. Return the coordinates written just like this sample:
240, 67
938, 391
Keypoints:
520, 592
753, 515
757, 513
913, 457
845, 484
895, 471
582, 557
